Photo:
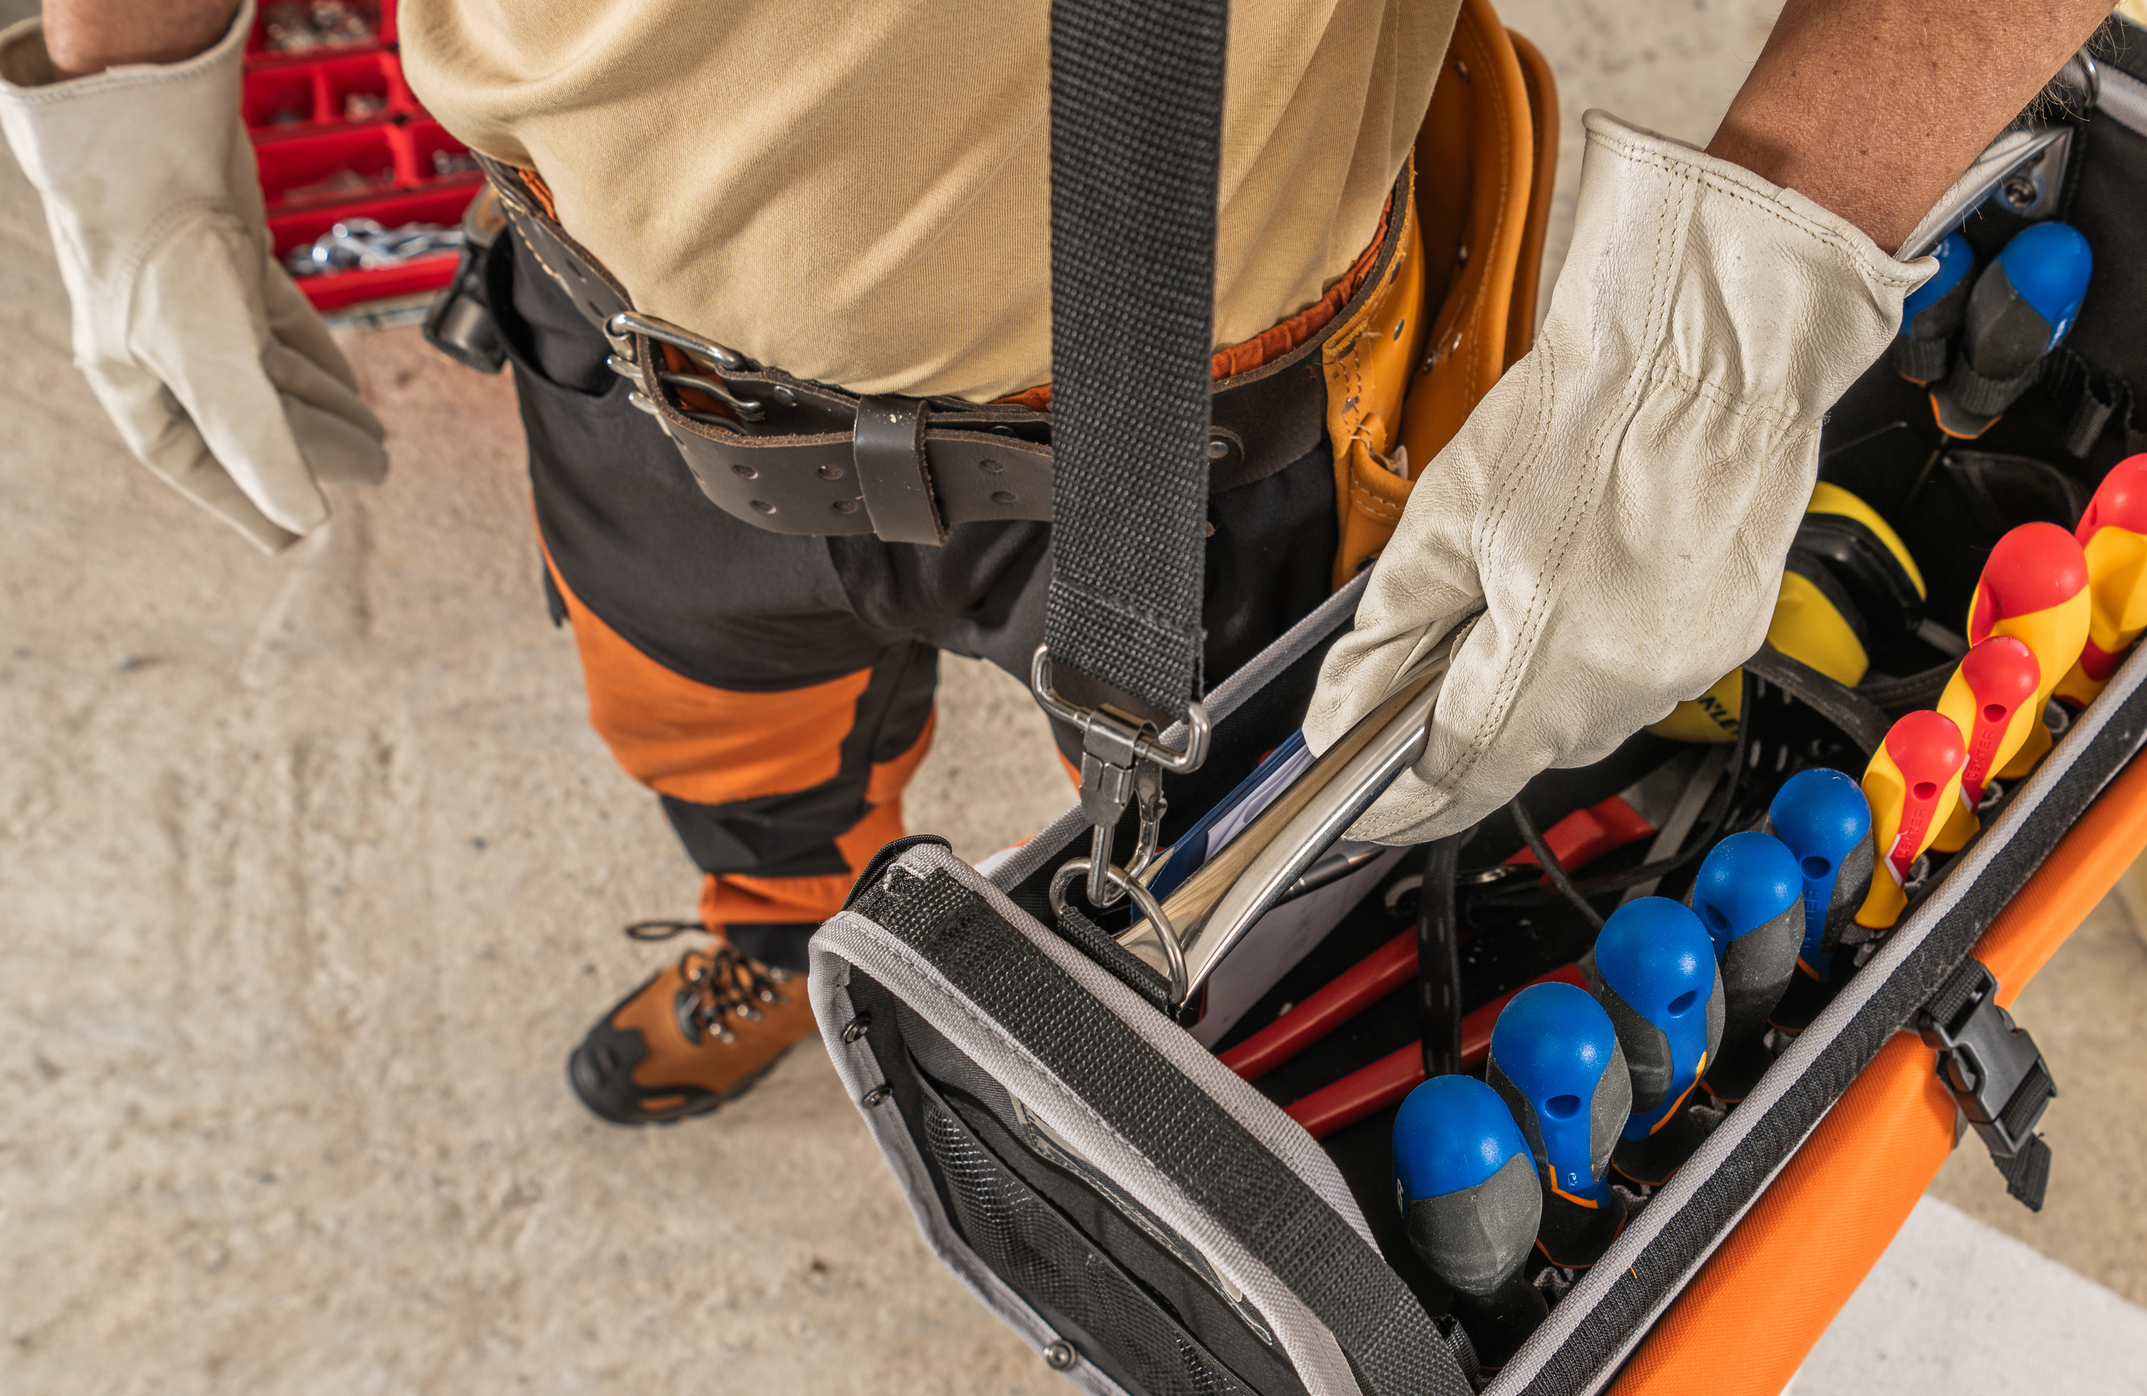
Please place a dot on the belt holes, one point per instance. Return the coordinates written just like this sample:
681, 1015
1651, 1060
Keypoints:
845, 506
831, 472
1002, 497
744, 471
763, 506
990, 467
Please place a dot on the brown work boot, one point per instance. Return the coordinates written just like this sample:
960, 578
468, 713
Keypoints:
696, 1036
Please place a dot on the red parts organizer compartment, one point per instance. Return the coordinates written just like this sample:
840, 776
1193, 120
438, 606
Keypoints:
303, 31
336, 290
334, 93
338, 136
338, 168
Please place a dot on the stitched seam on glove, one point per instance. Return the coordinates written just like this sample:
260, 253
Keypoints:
1530, 629
127, 267
1716, 181
1671, 376
1673, 216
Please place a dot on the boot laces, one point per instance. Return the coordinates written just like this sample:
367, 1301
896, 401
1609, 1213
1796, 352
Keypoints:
722, 981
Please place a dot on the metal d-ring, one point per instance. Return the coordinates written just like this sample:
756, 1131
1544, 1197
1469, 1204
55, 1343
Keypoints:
748, 408
627, 323
1142, 898
632, 322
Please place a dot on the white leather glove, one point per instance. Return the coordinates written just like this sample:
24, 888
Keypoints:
1620, 504
216, 371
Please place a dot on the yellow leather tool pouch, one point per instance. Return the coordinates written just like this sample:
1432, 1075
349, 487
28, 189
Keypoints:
1458, 306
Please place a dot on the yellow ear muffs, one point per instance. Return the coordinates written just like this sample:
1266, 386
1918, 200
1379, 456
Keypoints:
1849, 589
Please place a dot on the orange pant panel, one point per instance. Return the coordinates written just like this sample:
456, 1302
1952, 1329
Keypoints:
715, 746
708, 745
739, 897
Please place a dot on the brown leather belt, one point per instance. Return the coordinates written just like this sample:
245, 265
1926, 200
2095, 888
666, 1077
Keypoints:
793, 456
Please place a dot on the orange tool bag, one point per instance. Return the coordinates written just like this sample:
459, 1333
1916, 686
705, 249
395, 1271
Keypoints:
1163, 1156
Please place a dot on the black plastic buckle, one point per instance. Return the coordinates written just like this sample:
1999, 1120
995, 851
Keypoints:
1997, 1075
459, 322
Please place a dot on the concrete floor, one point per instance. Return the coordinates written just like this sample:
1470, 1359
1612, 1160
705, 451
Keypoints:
310, 872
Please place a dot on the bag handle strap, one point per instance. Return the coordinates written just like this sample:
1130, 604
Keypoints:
1136, 136
1136, 139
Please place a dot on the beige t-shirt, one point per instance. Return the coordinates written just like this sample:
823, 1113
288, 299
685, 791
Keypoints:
857, 191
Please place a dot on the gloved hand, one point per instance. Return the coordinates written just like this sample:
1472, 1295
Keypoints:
216, 371
1620, 504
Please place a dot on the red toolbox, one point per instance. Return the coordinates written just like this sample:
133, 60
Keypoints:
338, 136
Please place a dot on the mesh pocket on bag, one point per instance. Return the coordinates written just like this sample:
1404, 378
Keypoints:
1042, 1255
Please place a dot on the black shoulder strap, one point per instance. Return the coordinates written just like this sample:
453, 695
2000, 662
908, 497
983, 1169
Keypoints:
1136, 130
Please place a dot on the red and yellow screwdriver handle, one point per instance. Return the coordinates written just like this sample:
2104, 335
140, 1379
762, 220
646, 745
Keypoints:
1991, 699
2034, 588
1913, 780
2113, 534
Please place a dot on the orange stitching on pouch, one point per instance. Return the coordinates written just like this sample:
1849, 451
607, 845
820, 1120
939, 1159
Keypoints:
1480, 343
1345, 372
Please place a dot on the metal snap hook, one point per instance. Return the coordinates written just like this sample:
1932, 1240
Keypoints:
1166, 933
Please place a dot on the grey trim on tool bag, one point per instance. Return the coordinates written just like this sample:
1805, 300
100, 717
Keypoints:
1147, 1105
2121, 97
860, 1074
1049, 845
851, 939
1611, 1308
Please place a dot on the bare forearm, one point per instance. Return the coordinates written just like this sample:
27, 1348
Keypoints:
88, 36
1872, 108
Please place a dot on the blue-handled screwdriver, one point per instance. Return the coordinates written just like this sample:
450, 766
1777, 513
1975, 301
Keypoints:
1471, 1202
1822, 816
1555, 1062
1662, 988
2022, 307
1931, 316
1750, 896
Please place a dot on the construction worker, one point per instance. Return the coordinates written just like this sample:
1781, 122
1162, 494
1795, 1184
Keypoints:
856, 194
